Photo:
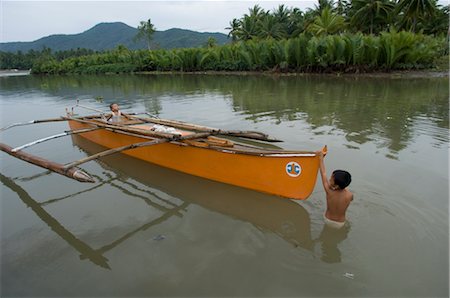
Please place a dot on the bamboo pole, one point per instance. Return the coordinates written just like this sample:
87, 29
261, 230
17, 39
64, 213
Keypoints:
63, 134
113, 151
255, 135
132, 146
51, 120
73, 173
126, 129
31, 122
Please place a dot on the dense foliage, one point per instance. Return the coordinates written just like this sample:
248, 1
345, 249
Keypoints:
356, 35
343, 52
21, 60
337, 16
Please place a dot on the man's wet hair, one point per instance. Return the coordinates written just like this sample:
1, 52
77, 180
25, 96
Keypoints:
342, 178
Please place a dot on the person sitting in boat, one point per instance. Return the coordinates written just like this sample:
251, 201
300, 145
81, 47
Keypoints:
338, 196
116, 115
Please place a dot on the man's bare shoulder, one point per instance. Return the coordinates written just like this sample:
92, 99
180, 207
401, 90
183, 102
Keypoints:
348, 195
340, 195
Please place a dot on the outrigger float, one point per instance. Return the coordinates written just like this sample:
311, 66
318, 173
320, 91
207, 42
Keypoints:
185, 147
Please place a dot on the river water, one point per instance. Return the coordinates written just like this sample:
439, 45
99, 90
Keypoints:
142, 230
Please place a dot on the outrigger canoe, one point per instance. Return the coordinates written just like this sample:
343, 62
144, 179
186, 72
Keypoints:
189, 148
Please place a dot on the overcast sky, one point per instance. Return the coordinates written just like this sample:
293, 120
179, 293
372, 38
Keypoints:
31, 20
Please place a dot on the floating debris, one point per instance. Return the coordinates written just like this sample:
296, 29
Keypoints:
159, 237
349, 275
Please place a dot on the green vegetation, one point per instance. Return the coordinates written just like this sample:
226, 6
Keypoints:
21, 60
347, 52
146, 30
342, 36
338, 16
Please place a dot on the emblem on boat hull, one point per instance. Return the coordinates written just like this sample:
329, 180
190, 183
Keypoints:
293, 169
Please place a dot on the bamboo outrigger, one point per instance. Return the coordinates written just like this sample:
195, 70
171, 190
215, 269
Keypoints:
188, 148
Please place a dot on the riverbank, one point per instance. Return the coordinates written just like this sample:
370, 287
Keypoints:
431, 73
392, 74
440, 70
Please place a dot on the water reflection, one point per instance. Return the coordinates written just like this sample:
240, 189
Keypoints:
329, 239
387, 112
71, 239
381, 111
96, 256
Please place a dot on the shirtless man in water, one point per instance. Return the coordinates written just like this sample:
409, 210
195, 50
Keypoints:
338, 196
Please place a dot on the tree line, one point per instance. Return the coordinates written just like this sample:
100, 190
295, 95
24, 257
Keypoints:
347, 52
338, 16
20, 60
341, 35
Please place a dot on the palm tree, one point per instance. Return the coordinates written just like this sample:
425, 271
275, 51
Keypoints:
323, 4
296, 23
327, 23
269, 27
342, 7
146, 31
256, 12
211, 42
438, 24
234, 28
281, 15
371, 14
413, 10
249, 29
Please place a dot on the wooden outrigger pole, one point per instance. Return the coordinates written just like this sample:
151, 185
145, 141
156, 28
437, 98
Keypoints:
133, 146
52, 120
73, 173
31, 122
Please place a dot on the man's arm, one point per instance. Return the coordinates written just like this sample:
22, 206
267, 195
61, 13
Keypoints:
323, 173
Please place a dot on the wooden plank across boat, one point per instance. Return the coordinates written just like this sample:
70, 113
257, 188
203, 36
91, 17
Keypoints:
187, 148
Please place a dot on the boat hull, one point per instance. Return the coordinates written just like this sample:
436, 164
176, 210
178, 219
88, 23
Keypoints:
290, 175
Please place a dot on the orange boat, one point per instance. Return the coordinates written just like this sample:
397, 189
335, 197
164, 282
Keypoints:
289, 174
194, 150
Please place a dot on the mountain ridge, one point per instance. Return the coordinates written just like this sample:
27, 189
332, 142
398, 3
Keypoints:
106, 36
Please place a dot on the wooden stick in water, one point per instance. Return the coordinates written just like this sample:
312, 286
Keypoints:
133, 146
73, 173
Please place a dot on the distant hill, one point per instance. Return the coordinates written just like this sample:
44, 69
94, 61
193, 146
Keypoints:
106, 36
